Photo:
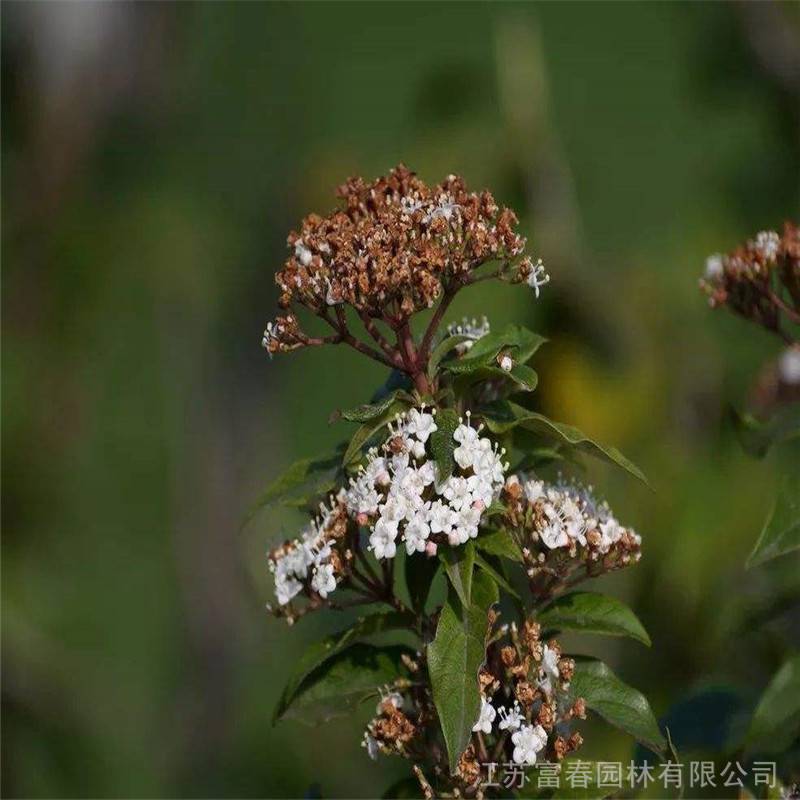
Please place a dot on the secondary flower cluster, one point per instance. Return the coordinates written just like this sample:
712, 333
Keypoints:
560, 527
525, 706
525, 717
471, 330
312, 562
759, 280
399, 495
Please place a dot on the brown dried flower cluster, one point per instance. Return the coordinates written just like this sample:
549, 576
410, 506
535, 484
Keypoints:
393, 248
759, 280
394, 245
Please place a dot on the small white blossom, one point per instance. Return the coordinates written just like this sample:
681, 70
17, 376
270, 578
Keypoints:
420, 424
382, 539
324, 581
538, 277
789, 366
486, 717
302, 253
506, 363
715, 266
528, 741
549, 670
767, 243
416, 534
511, 718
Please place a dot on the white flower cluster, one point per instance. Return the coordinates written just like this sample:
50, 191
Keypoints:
570, 516
306, 559
528, 740
472, 330
398, 491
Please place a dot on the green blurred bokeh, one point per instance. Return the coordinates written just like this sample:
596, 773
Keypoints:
154, 158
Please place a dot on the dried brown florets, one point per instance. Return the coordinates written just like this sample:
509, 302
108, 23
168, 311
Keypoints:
394, 245
759, 280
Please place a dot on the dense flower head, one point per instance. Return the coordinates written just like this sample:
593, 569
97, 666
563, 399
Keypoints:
395, 240
562, 526
312, 562
751, 278
399, 495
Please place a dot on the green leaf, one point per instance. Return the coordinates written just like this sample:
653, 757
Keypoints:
520, 343
369, 429
776, 720
757, 436
454, 658
319, 652
420, 574
615, 701
503, 416
496, 576
347, 679
458, 564
442, 349
306, 478
442, 442
499, 543
781, 533
369, 411
589, 612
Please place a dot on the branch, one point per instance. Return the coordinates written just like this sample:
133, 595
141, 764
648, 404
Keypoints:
344, 335
430, 331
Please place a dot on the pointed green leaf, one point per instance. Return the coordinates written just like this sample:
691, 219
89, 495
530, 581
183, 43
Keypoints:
589, 612
499, 579
347, 679
308, 477
320, 652
499, 543
504, 416
776, 720
781, 533
458, 564
442, 442
619, 704
757, 436
442, 349
369, 411
369, 429
420, 574
520, 343
454, 658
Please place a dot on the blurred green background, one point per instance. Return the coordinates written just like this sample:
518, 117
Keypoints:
154, 158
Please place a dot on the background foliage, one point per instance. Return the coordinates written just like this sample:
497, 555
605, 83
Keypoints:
154, 158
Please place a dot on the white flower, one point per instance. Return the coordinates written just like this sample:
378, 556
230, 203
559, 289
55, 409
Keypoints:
418, 450
610, 532
427, 473
538, 277
286, 587
381, 540
395, 698
714, 267
767, 243
440, 517
464, 454
394, 509
324, 581
553, 533
549, 669
789, 366
506, 363
528, 741
420, 424
472, 331
512, 718
302, 253
416, 534
465, 434
372, 746
486, 717
534, 490
456, 491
